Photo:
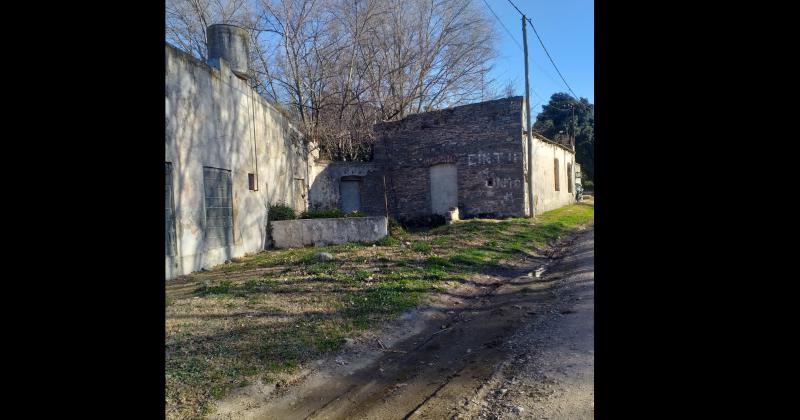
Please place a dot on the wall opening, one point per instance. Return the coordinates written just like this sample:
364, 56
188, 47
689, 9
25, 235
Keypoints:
251, 182
555, 174
218, 190
489, 182
170, 241
300, 194
569, 177
443, 187
350, 194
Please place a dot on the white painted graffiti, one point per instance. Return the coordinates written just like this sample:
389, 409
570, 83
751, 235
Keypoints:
494, 158
506, 182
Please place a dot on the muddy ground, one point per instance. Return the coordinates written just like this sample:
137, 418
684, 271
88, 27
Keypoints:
550, 371
514, 343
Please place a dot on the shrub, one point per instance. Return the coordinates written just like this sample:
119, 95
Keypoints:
281, 211
387, 241
395, 228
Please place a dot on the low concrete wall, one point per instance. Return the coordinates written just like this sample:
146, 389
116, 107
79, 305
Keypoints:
302, 232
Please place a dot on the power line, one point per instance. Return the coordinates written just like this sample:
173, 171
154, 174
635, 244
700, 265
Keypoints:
545, 49
515, 6
503, 25
574, 95
510, 35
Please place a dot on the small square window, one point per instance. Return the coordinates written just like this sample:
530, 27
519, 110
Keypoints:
251, 181
489, 182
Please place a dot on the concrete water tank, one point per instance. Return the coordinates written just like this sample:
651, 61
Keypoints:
230, 43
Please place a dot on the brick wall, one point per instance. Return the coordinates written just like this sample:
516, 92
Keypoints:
483, 140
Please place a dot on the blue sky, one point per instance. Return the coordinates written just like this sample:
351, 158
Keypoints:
567, 29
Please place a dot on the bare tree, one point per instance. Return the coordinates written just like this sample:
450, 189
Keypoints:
339, 66
509, 89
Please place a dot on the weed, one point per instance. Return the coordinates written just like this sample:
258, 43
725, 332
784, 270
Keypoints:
362, 275
421, 247
387, 241
222, 288
260, 284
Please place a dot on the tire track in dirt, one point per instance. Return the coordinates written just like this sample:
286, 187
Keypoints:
434, 372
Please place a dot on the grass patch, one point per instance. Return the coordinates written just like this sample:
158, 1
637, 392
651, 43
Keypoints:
362, 275
260, 284
421, 247
322, 268
385, 300
438, 262
387, 241
221, 288
470, 256
267, 314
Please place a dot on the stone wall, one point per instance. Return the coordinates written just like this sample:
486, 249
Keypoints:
482, 140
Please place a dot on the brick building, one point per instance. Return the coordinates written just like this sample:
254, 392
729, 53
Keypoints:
472, 157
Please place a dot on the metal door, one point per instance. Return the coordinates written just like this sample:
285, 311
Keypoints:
349, 195
444, 188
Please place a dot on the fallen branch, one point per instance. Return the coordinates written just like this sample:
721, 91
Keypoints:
440, 331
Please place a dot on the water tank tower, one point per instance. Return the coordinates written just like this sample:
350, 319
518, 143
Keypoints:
230, 43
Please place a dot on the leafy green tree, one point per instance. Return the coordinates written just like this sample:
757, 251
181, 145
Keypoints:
564, 117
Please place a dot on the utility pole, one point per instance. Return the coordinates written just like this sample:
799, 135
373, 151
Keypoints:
529, 124
572, 123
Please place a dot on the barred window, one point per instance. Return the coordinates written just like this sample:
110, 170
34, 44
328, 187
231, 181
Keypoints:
169, 214
219, 207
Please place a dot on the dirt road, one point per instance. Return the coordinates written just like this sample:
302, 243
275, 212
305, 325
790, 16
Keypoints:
551, 372
516, 342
